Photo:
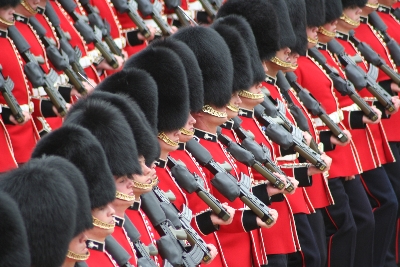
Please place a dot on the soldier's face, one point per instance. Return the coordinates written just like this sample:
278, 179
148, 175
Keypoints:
104, 214
188, 126
147, 177
78, 244
34, 3
174, 136
235, 101
331, 27
6, 13
353, 13
251, 103
312, 33
124, 185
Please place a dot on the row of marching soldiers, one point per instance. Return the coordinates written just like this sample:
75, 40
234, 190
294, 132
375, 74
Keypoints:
267, 137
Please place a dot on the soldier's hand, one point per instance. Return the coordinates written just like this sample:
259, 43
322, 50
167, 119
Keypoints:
307, 136
396, 102
213, 252
218, 221
366, 120
274, 215
349, 178
174, 29
395, 88
314, 170
152, 34
295, 184
105, 66
27, 117
272, 190
337, 142
68, 106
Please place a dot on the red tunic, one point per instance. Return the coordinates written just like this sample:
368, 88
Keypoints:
146, 230
23, 138
122, 238
7, 160
393, 30
375, 132
229, 235
99, 257
66, 23
313, 78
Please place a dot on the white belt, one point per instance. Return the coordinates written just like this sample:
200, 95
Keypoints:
85, 61
151, 22
25, 107
39, 91
353, 107
336, 117
290, 157
120, 42
62, 79
195, 6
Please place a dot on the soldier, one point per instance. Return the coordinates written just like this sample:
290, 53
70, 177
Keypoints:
43, 192
117, 141
14, 249
23, 136
217, 93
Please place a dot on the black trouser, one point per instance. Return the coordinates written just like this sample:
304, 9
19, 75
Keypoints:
316, 221
309, 255
384, 206
393, 172
277, 260
349, 225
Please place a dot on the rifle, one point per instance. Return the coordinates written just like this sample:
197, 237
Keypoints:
147, 9
210, 10
276, 109
314, 107
260, 151
88, 34
74, 55
193, 183
96, 20
6, 87
59, 60
184, 19
36, 74
169, 247
374, 58
118, 253
381, 27
248, 159
344, 87
285, 140
359, 78
130, 7
227, 184
182, 221
142, 252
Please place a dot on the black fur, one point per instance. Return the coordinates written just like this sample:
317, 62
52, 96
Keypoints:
333, 10
215, 62
168, 71
286, 33
315, 12
139, 85
242, 72
9, 3
263, 20
193, 71
84, 219
353, 3
14, 248
80, 147
146, 141
47, 202
297, 14
112, 130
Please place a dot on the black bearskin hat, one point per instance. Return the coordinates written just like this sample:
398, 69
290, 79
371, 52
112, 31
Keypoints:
263, 20
84, 219
286, 33
168, 71
315, 12
353, 3
47, 202
215, 62
80, 147
333, 10
242, 72
14, 248
110, 127
193, 71
7, 3
138, 85
297, 14
146, 141
243, 27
